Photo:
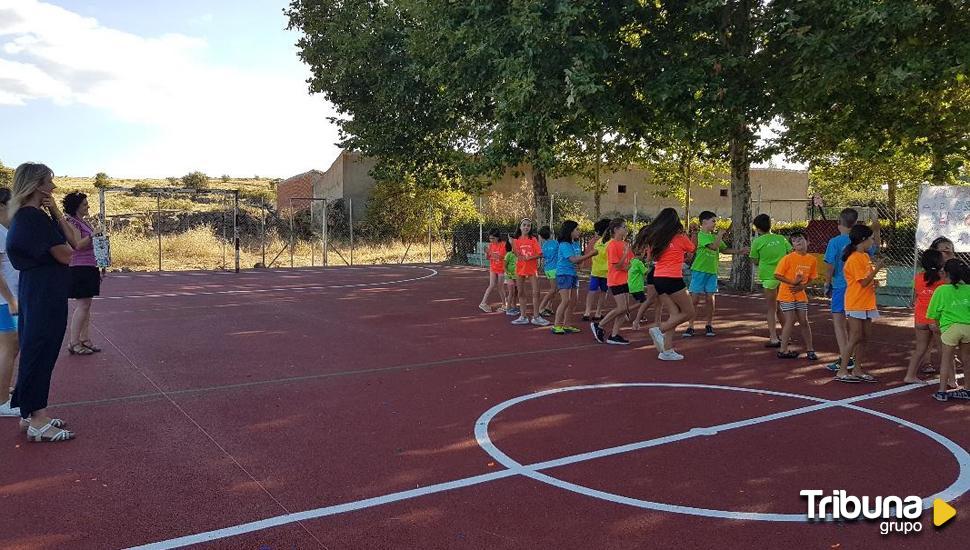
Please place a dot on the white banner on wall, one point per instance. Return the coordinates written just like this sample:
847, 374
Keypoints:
944, 211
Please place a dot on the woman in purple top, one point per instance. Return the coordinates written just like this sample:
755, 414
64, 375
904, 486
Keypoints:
85, 276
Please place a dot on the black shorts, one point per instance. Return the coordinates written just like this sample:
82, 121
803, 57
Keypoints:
620, 289
669, 285
650, 277
85, 282
639, 296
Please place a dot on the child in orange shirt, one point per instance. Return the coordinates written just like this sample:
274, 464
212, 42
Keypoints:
927, 330
795, 271
527, 251
860, 301
495, 253
618, 257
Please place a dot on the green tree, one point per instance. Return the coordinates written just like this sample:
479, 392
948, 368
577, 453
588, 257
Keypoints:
682, 166
225, 178
405, 210
6, 175
101, 180
195, 180
888, 77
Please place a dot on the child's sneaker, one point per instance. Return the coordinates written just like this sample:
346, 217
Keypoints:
558, 330
540, 322
657, 337
709, 331
501, 308
7, 410
522, 320
598, 333
959, 394
547, 312
511, 311
670, 356
689, 333
571, 330
811, 356
485, 308
617, 340
941, 396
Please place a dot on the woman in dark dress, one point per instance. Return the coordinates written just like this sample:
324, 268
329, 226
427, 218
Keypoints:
38, 246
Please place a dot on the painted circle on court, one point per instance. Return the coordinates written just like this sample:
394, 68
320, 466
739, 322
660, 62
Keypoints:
534, 471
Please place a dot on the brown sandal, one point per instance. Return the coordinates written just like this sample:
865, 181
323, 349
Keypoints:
79, 349
90, 345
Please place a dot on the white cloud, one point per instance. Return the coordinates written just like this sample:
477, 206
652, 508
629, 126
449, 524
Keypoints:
214, 118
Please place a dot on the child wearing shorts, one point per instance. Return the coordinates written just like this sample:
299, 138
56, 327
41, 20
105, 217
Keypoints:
703, 272
511, 292
495, 253
926, 329
598, 287
795, 272
550, 252
767, 249
860, 302
950, 307
835, 283
568, 256
618, 256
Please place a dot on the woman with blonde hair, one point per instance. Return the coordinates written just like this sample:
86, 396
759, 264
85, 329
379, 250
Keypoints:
39, 245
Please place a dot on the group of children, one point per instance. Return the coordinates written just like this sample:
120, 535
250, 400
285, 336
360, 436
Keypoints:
649, 270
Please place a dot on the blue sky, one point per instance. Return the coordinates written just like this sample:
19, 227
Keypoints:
156, 89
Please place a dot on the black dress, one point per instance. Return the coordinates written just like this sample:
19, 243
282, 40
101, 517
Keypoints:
42, 296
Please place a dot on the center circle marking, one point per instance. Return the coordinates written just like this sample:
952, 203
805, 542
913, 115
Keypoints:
957, 488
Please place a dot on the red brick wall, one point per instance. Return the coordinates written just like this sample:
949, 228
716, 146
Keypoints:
297, 186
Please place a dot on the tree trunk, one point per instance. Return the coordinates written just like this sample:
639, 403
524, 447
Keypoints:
596, 204
540, 194
687, 177
938, 167
740, 209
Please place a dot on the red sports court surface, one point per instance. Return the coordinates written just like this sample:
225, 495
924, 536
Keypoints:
376, 407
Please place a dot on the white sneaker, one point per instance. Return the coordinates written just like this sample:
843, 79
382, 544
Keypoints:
7, 410
670, 356
522, 320
540, 322
485, 308
658, 338
675, 355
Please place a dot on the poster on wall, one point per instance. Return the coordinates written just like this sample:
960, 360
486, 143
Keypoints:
944, 211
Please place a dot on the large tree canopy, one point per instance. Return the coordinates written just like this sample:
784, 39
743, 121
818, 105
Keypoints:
445, 91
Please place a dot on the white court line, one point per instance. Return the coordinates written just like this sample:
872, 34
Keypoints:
277, 521
277, 289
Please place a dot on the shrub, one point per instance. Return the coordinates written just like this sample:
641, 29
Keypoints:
225, 178
196, 180
404, 209
101, 180
6, 176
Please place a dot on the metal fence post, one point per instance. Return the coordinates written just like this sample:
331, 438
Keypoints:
429, 235
235, 225
158, 227
325, 240
262, 231
350, 203
636, 210
481, 229
225, 206
292, 244
552, 200
313, 250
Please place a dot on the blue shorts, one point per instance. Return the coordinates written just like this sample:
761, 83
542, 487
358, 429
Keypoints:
8, 323
598, 283
838, 300
567, 282
702, 283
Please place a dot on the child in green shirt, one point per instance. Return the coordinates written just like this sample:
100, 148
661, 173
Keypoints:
511, 294
767, 249
950, 306
703, 272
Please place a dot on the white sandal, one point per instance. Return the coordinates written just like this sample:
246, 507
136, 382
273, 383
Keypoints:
56, 422
36, 435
